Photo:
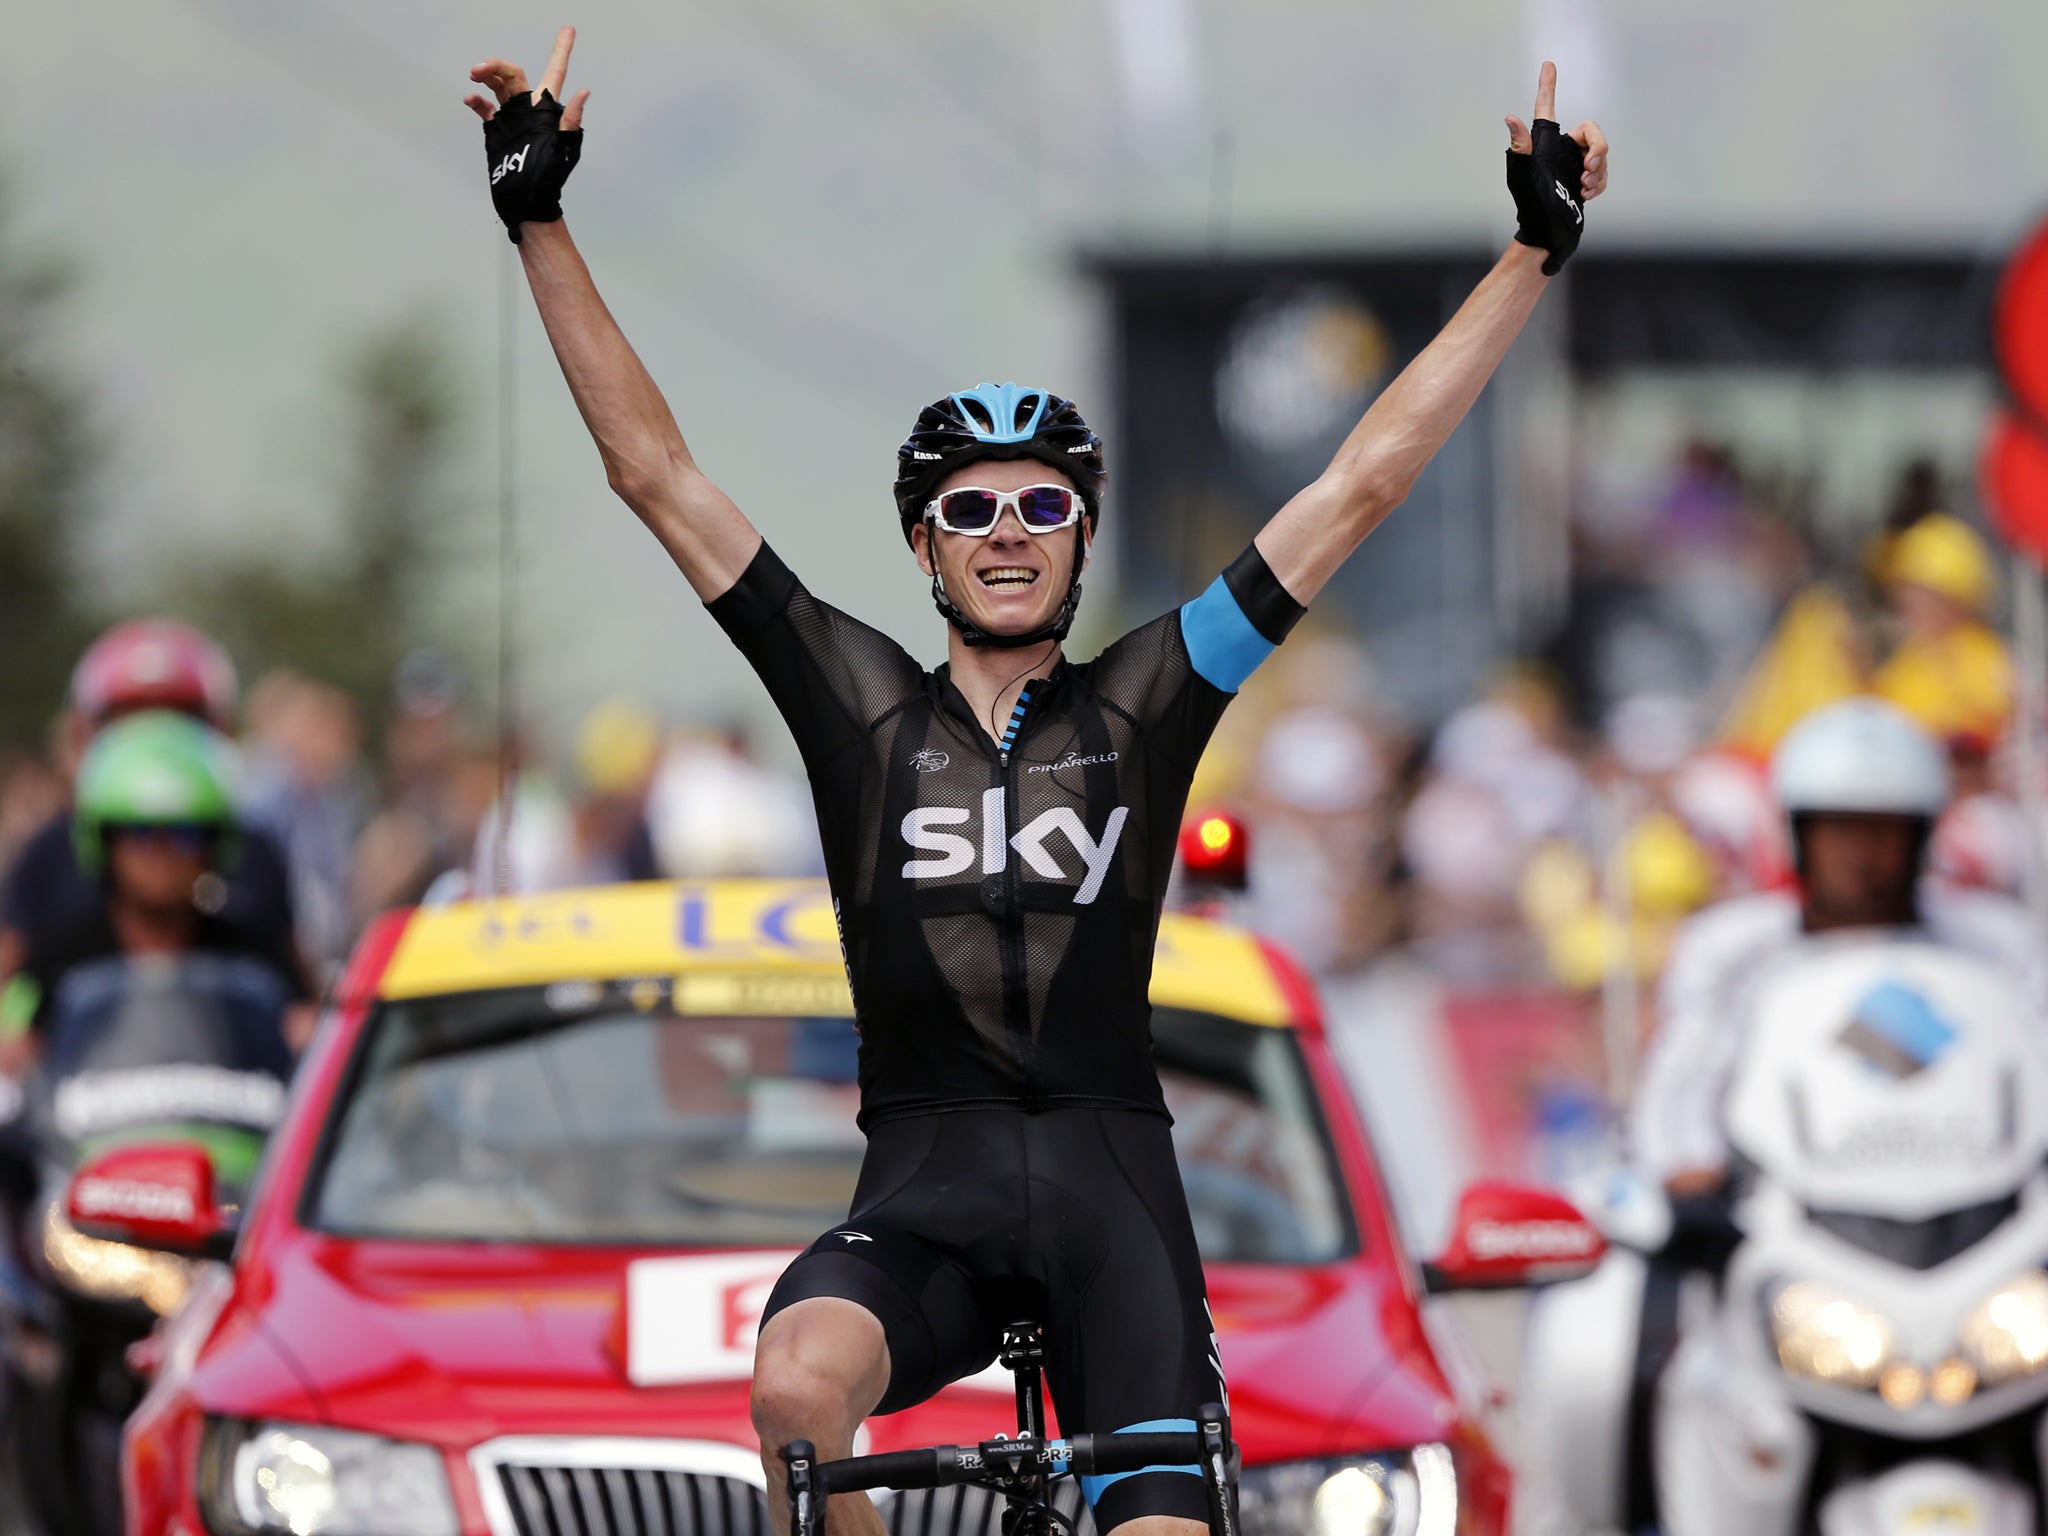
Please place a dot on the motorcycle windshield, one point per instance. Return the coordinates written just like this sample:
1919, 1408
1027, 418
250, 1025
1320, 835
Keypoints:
186, 1047
1894, 1079
1919, 1244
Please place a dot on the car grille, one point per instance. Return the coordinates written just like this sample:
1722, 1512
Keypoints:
637, 1501
568, 1487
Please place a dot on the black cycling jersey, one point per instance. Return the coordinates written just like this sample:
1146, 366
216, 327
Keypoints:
998, 904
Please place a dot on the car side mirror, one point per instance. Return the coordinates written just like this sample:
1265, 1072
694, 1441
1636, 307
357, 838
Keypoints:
157, 1196
1508, 1236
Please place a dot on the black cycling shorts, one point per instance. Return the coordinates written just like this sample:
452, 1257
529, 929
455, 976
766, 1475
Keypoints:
970, 1219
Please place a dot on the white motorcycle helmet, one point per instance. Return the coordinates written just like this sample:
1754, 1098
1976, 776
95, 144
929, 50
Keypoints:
1861, 756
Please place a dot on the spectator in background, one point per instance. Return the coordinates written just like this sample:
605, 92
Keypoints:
714, 810
1981, 840
1617, 900
306, 786
534, 849
617, 750
1916, 495
1500, 782
31, 793
1317, 784
601, 836
141, 665
436, 789
1704, 503
1948, 668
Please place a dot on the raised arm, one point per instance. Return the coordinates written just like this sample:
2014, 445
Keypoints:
645, 458
1317, 530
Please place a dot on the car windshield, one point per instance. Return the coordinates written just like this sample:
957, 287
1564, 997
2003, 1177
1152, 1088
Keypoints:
580, 1114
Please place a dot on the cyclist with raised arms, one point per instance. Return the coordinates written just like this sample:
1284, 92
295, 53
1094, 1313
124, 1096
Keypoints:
998, 835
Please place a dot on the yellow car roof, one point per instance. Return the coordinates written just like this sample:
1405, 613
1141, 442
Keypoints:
746, 946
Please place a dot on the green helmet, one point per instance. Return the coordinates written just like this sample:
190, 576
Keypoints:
157, 768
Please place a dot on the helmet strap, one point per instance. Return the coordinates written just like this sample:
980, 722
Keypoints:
1054, 628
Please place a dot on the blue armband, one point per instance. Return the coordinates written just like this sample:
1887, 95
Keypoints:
1237, 622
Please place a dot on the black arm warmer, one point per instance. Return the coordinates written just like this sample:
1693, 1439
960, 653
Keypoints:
1260, 597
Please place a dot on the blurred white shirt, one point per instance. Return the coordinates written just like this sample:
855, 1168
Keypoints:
1675, 1122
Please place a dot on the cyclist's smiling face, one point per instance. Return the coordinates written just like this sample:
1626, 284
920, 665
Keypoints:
1008, 582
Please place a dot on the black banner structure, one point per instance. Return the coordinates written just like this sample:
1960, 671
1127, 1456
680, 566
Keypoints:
1236, 379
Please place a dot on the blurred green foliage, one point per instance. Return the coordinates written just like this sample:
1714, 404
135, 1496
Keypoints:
47, 447
350, 620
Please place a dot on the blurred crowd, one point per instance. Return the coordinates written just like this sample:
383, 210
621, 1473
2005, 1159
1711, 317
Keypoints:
340, 827
1554, 831
1549, 834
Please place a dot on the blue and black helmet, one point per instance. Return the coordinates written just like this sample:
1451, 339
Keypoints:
997, 421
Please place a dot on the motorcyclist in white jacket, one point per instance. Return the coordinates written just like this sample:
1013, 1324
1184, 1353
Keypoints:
1863, 785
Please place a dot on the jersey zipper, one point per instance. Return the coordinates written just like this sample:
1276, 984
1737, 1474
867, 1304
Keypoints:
1016, 992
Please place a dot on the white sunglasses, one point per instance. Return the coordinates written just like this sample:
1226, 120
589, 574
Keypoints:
975, 511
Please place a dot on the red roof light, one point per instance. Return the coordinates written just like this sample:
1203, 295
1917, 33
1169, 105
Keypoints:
1213, 850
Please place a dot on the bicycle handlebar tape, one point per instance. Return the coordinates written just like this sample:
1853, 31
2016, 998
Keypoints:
806, 1499
1133, 1450
1545, 186
530, 155
932, 1467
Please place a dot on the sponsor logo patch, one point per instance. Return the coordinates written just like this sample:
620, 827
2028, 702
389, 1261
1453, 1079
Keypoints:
1897, 1031
1073, 760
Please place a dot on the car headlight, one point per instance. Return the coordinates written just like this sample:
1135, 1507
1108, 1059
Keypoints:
1830, 1336
2007, 1336
110, 1271
1412, 1493
310, 1480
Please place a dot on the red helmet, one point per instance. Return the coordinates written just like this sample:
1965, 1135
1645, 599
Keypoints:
154, 664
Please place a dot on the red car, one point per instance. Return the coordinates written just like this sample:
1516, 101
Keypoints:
547, 1156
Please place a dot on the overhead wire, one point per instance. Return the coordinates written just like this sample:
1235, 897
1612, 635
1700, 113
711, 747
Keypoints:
509, 285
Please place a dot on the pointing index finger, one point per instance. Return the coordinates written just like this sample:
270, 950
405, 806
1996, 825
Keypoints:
1546, 91
558, 63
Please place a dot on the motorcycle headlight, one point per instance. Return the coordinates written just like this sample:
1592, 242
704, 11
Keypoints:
1829, 1336
93, 1266
309, 1480
1413, 1493
2007, 1336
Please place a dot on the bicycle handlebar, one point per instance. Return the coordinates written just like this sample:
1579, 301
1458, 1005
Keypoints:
941, 1466
1019, 1467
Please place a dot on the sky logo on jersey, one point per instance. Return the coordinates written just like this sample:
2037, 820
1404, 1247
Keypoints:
955, 854
1897, 1031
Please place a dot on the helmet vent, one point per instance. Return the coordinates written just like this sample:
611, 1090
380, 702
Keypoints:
1027, 408
978, 413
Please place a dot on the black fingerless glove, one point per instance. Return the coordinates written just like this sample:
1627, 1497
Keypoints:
530, 156
1545, 186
